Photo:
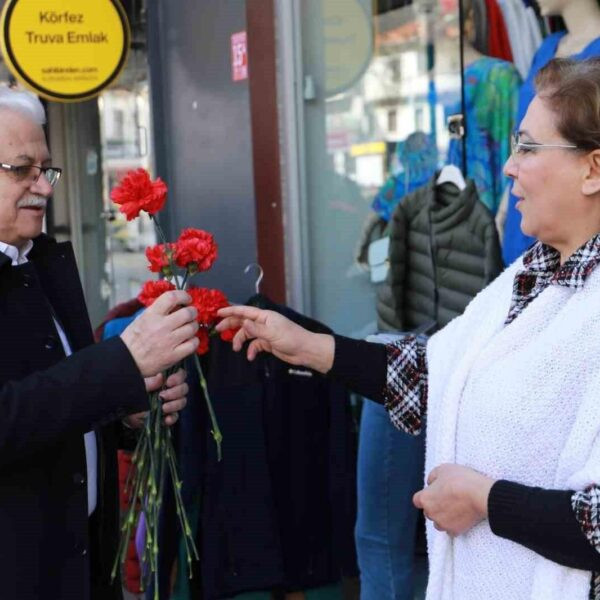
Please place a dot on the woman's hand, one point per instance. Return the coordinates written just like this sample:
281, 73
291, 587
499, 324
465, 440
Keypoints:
455, 498
174, 398
271, 332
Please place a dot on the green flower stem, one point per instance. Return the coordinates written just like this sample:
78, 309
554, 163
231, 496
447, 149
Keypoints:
131, 518
151, 445
153, 460
177, 483
185, 529
216, 432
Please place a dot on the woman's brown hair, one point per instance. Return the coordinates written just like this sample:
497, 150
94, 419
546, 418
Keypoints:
572, 91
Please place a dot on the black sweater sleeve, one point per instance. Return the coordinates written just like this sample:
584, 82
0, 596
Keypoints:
543, 521
360, 366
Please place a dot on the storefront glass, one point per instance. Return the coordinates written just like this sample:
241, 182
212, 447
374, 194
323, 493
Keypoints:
379, 81
126, 145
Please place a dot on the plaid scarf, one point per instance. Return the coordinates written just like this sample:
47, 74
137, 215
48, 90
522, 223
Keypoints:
541, 268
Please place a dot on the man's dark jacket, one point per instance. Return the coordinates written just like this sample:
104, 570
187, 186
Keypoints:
49, 548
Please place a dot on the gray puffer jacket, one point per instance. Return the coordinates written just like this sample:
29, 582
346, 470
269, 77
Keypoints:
374, 229
444, 249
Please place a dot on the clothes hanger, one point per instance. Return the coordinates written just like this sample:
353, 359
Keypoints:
451, 174
261, 301
261, 274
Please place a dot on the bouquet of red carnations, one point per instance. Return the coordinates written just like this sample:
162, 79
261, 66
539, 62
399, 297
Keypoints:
154, 457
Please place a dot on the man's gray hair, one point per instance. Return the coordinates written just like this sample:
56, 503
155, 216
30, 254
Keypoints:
23, 102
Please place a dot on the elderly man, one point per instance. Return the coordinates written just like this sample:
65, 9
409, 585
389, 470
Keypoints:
61, 396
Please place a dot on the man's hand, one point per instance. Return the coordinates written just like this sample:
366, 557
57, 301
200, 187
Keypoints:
272, 332
164, 334
174, 398
455, 498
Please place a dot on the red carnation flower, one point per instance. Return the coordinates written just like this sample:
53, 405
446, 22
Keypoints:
153, 289
229, 334
208, 302
195, 250
138, 192
203, 336
158, 258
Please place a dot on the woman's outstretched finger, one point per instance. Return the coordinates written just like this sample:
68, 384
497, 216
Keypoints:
239, 339
255, 347
229, 323
241, 312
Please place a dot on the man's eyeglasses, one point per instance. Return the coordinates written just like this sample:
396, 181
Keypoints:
32, 173
518, 147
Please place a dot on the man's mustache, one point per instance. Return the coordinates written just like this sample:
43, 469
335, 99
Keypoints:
35, 201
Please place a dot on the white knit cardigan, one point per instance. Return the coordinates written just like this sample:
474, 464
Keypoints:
518, 402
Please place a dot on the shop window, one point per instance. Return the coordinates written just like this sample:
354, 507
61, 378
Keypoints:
419, 118
117, 124
125, 126
384, 6
392, 117
395, 70
382, 72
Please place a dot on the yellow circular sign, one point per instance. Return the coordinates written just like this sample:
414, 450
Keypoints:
348, 43
65, 50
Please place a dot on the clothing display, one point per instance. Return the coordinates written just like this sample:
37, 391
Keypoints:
49, 546
515, 242
498, 41
443, 250
532, 37
481, 26
523, 32
506, 29
547, 311
491, 92
511, 13
278, 511
375, 229
416, 162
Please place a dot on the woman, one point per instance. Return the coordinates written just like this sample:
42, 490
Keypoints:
511, 388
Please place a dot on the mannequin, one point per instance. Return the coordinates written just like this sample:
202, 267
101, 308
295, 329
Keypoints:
580, 41
582, 19
474, 41
491, 88
470, 54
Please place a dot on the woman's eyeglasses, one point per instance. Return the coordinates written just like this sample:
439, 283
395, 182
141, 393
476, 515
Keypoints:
518, 147
32, 173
